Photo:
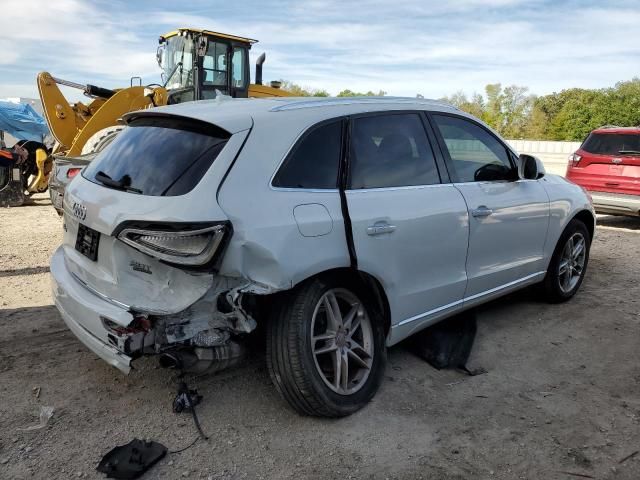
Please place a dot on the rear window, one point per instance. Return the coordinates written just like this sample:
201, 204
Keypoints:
158, 156
612, 144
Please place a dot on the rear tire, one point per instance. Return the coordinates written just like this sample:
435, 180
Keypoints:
568, 264
309, 350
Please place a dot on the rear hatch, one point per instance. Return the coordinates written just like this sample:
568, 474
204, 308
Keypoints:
142, 223
610, 162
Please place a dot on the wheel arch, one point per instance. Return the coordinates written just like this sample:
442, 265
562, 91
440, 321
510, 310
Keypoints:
370, 284
589, 220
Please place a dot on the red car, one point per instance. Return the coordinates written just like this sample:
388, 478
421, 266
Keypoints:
607, 164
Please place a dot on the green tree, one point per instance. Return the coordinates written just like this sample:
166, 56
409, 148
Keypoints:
505, 110
300, 91
349, 93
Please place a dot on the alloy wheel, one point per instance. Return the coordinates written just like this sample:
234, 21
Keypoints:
571, 266
342, 341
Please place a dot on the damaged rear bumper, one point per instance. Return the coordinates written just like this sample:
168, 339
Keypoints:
83, 312
206, 333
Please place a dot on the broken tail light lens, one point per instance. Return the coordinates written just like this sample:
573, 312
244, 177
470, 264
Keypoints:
574, 159
72, 172
187, 247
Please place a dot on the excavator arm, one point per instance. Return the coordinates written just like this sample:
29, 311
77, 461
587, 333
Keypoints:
73, 124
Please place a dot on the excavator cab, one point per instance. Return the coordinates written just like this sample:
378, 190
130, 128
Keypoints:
197, 64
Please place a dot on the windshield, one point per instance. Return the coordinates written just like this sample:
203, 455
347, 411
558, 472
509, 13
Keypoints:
177, 62
158, 156
612, 144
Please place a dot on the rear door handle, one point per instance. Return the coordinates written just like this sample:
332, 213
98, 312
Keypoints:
481, 211
379, 228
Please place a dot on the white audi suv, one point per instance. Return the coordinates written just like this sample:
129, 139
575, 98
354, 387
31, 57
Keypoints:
341, 225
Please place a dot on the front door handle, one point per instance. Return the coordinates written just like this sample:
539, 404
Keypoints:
379, 228
481, 211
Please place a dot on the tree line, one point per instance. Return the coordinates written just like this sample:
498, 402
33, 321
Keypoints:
515, 113
300, 91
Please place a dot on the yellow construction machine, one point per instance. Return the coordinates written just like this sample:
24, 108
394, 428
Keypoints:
196, 65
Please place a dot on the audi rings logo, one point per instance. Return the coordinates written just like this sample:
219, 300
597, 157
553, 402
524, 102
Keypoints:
79, 211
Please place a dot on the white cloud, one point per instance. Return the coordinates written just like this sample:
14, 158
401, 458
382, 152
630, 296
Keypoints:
70, 37
428, 47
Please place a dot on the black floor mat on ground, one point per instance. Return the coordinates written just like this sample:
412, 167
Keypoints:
448, 344
131, 460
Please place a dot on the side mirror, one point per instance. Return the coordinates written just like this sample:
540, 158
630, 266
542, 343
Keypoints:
530, 167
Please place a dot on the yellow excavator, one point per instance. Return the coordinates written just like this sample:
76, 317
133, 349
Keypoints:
196, 65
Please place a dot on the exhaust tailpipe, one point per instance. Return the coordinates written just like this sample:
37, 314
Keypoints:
259, 63
201, 360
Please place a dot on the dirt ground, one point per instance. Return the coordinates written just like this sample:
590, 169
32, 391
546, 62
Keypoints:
561, 399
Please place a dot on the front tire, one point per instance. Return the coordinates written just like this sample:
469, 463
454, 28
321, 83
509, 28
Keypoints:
568, 264
326, 348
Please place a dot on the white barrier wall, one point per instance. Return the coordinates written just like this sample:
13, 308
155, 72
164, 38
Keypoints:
553, 154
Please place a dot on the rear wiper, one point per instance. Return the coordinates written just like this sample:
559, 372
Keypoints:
118, 184
633, 152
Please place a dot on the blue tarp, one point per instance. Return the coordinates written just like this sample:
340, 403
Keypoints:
22, 121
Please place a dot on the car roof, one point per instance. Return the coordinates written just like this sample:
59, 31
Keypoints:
235, 115
619, 130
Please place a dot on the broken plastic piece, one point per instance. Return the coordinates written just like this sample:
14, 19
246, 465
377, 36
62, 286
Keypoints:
131, 460
448, 344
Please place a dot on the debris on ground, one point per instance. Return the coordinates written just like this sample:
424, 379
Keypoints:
131, 460
448, 343
45, 415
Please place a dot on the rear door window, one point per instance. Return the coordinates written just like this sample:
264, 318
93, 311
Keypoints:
158, 156
391, 150
612, 144
313, 162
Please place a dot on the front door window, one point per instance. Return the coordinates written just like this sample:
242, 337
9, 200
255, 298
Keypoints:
475, 154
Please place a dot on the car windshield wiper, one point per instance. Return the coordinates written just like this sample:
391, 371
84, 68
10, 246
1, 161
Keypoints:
122, 184
632, 152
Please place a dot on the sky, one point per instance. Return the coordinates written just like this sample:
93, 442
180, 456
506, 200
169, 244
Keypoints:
404, 47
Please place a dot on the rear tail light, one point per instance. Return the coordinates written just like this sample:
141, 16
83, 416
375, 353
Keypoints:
187, 247
72, 172
574, 159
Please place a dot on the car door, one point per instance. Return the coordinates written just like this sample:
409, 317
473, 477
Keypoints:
409, 229
508, 216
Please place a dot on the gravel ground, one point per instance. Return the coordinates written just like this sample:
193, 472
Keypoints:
561, 399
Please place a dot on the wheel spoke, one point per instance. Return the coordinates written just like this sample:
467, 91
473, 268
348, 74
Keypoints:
328, 335
337, 369
326, 349
353, 313
564, 265
354, 326
344, 377
567, 280
357, 359
356, 346
333, 310
568, 249
578, 249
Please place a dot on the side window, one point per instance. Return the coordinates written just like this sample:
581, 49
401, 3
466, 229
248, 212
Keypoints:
476, 155
214, 64
391, 151
238, 72
314, 161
